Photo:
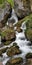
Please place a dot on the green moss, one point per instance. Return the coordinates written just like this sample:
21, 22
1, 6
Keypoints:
28, 34
7, 42
11, 2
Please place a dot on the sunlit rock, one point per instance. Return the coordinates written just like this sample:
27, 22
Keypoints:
15, 61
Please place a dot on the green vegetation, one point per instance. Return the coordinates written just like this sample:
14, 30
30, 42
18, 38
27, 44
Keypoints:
11, 2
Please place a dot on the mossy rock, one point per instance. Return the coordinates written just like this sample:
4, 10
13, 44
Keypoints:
13, 50
15, 61
8, 34
29, 23
28, 34
29, 55
7, 42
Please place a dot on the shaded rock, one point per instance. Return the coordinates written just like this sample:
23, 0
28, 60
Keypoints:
8, 34
29, 55
4, 14
29, 22
28, 34
6, 42
13, 50
3, 50
15, 61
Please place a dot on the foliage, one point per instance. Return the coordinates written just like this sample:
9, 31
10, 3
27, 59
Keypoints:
11, 2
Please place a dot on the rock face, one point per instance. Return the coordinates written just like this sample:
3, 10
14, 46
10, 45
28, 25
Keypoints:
4, 14
13, 50
15, 61
8, 34
22, 8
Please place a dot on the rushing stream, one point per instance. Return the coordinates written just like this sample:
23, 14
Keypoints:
20, 40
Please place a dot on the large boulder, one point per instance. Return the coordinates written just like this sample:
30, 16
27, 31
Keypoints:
15, 61
4, 14
8, 34
13, 50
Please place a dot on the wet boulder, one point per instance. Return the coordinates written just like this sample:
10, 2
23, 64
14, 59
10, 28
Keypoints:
3, 50
28, 55
28, 34
13, 50
15, 61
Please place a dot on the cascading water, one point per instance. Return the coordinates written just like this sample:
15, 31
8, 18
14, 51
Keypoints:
20, 40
